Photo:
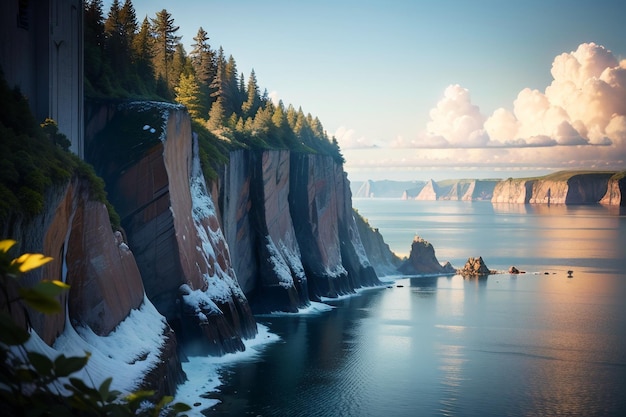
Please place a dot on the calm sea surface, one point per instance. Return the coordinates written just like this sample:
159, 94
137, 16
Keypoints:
537, 344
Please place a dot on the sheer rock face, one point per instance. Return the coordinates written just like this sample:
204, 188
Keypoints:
334, 259
512, 191
616, 189
383, 260
429, 192
105, 283
574, 189
422, 260
288, 221
75, 231
173, 227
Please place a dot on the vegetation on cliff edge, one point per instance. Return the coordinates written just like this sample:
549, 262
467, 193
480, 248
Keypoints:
34, 157
125, 59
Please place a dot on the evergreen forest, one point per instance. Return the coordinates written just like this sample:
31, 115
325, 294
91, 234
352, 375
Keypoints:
126, 59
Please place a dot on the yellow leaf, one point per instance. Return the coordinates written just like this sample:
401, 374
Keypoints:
6, 244
30, 261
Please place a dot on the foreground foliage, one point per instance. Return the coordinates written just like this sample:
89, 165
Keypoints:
32, 384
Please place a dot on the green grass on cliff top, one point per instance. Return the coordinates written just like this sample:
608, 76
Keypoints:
566, 175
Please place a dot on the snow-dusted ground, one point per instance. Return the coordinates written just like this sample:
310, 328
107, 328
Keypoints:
127, 354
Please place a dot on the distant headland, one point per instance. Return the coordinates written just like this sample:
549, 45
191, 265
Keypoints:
563, 187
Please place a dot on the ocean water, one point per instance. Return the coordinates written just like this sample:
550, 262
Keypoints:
534, 344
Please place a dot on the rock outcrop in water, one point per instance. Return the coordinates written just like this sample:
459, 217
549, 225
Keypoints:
422, 260
475, 267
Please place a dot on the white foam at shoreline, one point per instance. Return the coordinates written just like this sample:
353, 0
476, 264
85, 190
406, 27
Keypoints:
203, 372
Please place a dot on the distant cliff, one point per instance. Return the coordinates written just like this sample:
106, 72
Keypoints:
455, 190
566, 187
384, 188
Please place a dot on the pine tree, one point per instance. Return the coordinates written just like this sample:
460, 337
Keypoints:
165, 42
114, 42
218, 85
204, 66
95, 73
217, 116
142, 54
128, 22
180, 64
253, 101
231, 95
188, 94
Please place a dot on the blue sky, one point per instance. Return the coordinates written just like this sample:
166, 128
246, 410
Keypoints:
409, 88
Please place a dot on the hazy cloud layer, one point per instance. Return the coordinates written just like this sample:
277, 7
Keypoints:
579, 121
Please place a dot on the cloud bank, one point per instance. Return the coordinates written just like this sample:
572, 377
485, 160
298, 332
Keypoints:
578, 122
584, 105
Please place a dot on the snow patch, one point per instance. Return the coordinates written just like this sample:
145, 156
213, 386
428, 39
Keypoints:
199, 301
279, 265
127, 354
223, 285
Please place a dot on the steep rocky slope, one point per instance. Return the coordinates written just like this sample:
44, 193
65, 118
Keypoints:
105, 282
616, 189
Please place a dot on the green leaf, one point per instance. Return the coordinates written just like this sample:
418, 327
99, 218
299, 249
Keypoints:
104, 389
180, 407
64, 366
82, 388
42, 364
40, 301
51, 288
10, 333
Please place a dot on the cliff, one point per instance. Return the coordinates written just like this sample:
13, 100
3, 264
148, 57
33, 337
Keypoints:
385, 188
145, 154
455, 190
567, 187
191, 260
616, 189
288, 222
275, 231
384, 261
105, 290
